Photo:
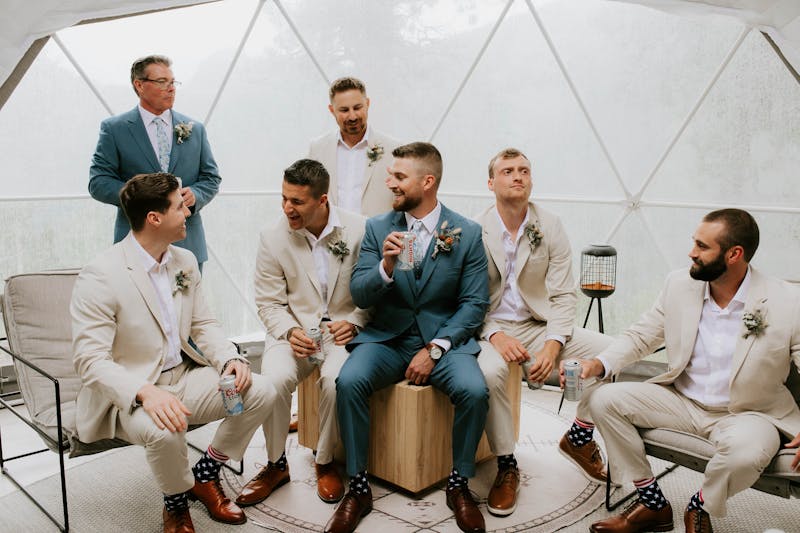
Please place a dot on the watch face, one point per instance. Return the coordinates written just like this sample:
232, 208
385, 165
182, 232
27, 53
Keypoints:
436, 352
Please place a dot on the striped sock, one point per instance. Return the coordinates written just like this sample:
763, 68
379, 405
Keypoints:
581, 433
696, 501
207, 468
650, 494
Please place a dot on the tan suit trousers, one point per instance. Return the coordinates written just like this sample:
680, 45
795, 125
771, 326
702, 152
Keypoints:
281, 368
745, 443
499, 427
197, 387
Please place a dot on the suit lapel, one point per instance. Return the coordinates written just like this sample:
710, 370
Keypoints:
177, 298
429, 264
302, 250
690, 321
756, 300
139, 134
493, 238
335, 263
142, 282
177, 149
330, 155
524, 247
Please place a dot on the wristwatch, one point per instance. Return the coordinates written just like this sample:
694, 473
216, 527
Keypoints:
435, 351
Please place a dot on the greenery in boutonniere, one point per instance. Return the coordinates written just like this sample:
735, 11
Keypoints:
337, 245
183, 131
182, 280
446, 238
754, 323
534, 235
374, 153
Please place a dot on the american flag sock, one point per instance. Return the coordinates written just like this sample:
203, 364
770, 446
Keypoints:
581, 433
696, 501
207, 468
506, 461
650, 494
455, 480
359, 483
176, 502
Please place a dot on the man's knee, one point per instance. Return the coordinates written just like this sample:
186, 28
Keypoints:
471, 392
601, 402
261, 394
351, 381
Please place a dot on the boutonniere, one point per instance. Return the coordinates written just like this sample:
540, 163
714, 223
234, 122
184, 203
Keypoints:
446, 238
182, 281
183, 130
754, 323
374, 153
533, 234
337, 246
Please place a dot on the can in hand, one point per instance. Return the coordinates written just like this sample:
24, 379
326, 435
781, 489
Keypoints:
573, 384
315, 334
526, 368
405, 261
231, 398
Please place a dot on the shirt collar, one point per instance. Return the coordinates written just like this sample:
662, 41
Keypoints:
147, 116
741, 294
363, 143
150, 264
333, 223
429, 220
521, 229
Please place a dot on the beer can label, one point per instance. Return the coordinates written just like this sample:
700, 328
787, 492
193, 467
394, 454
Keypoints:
315, 334
526, 369
231, 398
573, 385
405, 261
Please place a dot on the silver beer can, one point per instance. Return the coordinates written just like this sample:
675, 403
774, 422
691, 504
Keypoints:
315, 334
526, 369
405, 261
231, 398
573, 384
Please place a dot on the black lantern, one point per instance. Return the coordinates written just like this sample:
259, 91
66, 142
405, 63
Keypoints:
598, 276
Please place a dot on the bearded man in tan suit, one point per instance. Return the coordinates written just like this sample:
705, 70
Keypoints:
731, 334
531, 317
133, 310
356, 155
302, 281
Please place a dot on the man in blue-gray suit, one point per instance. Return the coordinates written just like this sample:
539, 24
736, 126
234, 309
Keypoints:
422, 329
154, 138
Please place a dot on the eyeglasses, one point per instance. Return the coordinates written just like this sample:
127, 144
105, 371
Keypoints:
162, 83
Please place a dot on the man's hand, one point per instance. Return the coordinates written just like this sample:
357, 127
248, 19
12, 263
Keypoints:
509, 347
545, 361
420, 367
795, 444
301, 345
240, 369
188, 197
589, 368
392, 247
166, 410
342, 331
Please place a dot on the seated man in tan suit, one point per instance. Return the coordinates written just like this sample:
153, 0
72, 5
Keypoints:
530, 317
302, 281
731, 334
356, 155
133, 310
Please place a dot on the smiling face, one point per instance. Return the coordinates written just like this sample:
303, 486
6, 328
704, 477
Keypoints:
350, 109
709, 260
302, 210
407, 182
511, 179
152, 97
173, 221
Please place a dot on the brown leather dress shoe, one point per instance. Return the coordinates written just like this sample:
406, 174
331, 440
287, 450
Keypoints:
697, 521
257, 489
587, 458
636, 518
329, 485
177, 521
353, 508
503, 495
220, 508
468, 516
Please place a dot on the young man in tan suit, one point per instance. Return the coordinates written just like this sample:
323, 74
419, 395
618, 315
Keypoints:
133, 310
531, 316
731, 334
356, 155
302, 281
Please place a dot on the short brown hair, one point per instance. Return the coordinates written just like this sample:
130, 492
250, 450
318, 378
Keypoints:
424, 152
741, 229
310, 173
346, 84
506, 153
144, 193
141, 64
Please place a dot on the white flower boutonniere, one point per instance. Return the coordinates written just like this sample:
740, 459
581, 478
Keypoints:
183, 131
534, 235
446, 238
374, 153
337, 245
754, 323
182, 280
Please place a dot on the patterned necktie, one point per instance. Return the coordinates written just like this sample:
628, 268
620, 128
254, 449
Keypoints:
163, 144
419, 250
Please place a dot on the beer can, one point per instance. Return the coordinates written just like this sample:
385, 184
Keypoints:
315, 334
231, 398
405, 261
573, 385
526, 369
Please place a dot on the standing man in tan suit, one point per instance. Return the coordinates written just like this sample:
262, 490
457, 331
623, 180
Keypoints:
302, 281
530, 316
356, 155
731, 334
133, 310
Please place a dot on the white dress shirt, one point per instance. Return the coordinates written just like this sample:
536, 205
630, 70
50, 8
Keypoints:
351, 164
157, 272
322, 255
706, 379
149, 124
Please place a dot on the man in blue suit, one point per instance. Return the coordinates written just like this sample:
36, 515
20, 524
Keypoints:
153, 138
422, 328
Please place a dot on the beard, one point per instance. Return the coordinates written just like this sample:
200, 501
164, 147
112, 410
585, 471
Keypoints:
405, 203
709, 271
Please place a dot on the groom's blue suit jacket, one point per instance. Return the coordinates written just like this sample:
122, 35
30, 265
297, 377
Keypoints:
124, 150
449, 300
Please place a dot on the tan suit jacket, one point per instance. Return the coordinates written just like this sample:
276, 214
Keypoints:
376, 198
288, 293
544, 274
118, 336
761, 363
